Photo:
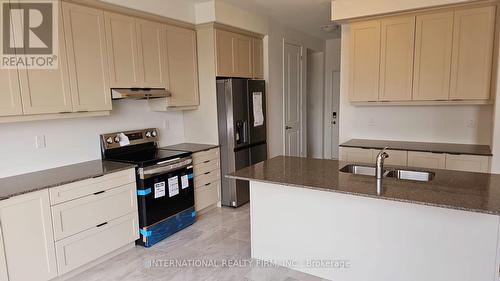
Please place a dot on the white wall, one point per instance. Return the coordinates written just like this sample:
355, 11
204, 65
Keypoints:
454, 124
315, 102
348, 9
332, 97
71, 141
175, 9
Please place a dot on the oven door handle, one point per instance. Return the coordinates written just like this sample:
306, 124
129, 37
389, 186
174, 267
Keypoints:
164, 167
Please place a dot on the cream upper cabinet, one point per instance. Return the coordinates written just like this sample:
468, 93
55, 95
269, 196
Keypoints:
182, 64
473, 37
243, 56
364, 65
87, 57
10, 97
121, 44
47, 90
151, 54
28, 239
433, 46
396, 58
234, 54
258, 58
426, 160
224, 53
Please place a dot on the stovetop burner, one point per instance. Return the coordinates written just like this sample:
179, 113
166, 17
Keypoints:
142, 151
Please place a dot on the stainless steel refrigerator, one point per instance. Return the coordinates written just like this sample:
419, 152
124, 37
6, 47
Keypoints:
241, 106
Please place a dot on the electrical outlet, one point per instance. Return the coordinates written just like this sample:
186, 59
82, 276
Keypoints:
166, 124
40, 142
471, 123
371, 122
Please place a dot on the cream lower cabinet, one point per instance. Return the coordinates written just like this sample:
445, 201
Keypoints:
207, 181
396, 157
470, 163
94, 217
27, 238
362, 155
357, 155
426, 160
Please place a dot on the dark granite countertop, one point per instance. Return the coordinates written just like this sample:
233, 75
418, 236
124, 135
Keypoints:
20, 184
474, 192
190, 147
451, 148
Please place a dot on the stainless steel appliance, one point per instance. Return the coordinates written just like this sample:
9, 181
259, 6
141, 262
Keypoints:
242, 132
165, 188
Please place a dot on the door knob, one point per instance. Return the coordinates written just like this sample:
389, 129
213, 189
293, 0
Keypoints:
288, 127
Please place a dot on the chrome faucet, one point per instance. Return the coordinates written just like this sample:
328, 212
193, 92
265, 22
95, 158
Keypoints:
382, 155
379, 170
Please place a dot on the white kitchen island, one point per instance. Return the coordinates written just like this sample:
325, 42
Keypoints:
307, 215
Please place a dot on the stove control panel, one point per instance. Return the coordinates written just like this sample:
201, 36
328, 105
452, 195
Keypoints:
120, 139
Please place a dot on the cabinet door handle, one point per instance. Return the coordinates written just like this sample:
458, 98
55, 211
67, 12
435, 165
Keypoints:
99, 192
102, 224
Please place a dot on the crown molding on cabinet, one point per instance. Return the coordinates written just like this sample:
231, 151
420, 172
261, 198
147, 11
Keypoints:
225, 27
131, 12
417, 12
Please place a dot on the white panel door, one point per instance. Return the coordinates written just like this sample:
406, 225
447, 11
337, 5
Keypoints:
292, 72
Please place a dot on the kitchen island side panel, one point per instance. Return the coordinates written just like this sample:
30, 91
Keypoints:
370, 239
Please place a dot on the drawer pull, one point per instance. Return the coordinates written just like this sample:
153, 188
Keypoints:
206, 161
102, 224
99, 192
95, 177
207, 184
207, 173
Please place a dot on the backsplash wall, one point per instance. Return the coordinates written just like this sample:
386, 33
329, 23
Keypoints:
76, 140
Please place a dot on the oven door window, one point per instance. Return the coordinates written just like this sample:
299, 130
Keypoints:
171, 193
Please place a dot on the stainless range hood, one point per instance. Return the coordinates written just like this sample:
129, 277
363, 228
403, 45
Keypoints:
139, 93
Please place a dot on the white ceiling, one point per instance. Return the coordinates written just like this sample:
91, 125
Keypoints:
303, 15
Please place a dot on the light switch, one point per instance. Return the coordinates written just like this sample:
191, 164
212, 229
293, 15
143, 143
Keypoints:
40, 142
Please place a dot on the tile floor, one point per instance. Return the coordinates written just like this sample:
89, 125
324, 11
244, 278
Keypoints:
220, 235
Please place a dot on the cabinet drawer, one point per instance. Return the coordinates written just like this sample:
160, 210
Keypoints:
206, 178
357, 155
396, 157
83, 188
89, 245
81, 214
206, 196
469, 163
204, 156
206, 167
426, 160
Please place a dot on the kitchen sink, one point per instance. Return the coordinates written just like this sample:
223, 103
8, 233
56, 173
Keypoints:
396, 174
411, 175
359, 170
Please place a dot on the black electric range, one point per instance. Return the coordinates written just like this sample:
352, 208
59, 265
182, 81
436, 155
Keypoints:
165, 187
